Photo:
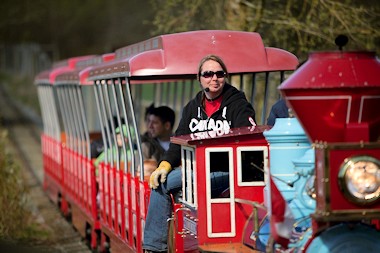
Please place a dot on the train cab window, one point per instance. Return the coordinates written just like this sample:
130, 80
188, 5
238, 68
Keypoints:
252, 162
219, 170
189, 176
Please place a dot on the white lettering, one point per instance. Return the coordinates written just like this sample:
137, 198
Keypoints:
210, 125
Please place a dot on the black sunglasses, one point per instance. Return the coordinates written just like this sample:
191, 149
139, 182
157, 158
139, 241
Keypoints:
208, 74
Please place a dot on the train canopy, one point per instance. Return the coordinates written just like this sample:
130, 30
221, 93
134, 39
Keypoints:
178, 54
49, 76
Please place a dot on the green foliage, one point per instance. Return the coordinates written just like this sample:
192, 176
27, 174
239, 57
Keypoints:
181, 15
14, 216
314, 25
297, 26
98, 26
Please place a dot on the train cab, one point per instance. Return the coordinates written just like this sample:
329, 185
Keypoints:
215, 221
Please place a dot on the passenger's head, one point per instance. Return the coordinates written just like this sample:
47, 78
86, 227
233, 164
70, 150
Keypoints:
212, 74
161, 122
119, 135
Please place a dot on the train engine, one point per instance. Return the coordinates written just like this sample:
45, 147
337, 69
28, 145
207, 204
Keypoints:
335, 96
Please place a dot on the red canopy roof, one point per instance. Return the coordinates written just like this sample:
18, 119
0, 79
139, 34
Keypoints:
75, 76
49, 76
179, 54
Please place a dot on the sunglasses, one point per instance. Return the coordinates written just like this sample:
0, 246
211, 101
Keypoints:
209, 74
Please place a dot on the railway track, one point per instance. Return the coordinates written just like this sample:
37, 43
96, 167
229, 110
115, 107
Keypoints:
24, 133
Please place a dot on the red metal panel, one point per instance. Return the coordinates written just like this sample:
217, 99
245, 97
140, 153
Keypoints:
108, 194
321, 191
128, 209
221, 213
121, 205
338, 92
80, 169
118, 194
77, 191
113, 223
101, 198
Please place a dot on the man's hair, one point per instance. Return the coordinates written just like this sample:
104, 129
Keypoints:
166, 114
149, 109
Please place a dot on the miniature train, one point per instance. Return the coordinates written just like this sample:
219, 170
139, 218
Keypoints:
310, 183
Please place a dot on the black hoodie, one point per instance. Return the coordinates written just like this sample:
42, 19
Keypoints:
235, 111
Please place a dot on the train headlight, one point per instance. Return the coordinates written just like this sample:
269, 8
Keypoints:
359, 179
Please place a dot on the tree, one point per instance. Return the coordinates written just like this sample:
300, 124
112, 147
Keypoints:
297, 26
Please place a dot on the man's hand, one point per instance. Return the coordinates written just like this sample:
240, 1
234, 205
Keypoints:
161, 172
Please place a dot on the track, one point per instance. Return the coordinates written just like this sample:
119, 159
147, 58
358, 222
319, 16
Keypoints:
24, 132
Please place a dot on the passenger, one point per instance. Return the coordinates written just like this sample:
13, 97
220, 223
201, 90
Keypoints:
160, 127
161, 121
97, 146
119, 148
219, 106
278, 110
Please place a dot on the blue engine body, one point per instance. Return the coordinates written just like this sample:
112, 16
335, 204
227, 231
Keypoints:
292, 169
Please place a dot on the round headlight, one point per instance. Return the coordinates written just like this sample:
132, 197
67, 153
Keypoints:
359, 179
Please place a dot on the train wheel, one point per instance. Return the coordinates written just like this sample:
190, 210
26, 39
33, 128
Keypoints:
346, 238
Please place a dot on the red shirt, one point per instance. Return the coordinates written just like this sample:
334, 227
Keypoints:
212, 106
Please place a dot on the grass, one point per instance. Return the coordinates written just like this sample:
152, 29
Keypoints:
17, 221
12, 194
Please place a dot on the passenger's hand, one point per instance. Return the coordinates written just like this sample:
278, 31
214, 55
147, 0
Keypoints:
161, 172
